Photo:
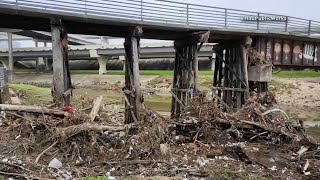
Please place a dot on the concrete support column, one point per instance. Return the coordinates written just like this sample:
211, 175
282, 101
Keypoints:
102, 60
47, 64
36, 42
10, 51
61, 89
38, 61
122, 59
212, 62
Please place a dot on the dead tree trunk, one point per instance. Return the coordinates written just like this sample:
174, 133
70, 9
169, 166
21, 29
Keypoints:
132, 79
61, 89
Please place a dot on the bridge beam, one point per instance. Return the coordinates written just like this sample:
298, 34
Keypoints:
132, 90
185, 80
61, 89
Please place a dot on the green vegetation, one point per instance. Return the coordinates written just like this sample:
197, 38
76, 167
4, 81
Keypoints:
230, 175
158, 102
297, 74
83, 97
142, 72
281, 74
32, 94
96, 178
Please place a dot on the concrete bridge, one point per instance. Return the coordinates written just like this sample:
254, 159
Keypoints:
102, 53
282, 39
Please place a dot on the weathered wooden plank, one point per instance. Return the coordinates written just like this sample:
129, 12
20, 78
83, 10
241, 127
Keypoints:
216, 70
174, 84
61, 75
226, 75
220, 68
230, 81
195, 67
10, 58
238, 66
96, 107
132, 77
230, 89
244, 58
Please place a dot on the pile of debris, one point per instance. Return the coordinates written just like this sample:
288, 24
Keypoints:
258, 120
256, 58
59, 144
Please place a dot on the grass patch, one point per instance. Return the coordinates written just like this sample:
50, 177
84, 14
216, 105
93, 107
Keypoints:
96, 178
32, 94
297, 74
142, 72
281, 74
228, 175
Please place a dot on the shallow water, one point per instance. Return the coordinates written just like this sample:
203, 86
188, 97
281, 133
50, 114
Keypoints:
309, 116
161, 103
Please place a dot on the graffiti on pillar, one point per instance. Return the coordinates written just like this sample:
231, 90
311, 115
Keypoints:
307, 54
277, 52
297, 51
269, 50
286, 58
317, 55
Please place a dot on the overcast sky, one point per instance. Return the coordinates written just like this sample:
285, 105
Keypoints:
307, 9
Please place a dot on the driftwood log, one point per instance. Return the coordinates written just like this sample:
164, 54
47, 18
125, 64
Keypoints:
32, 109
67, 132
96, 107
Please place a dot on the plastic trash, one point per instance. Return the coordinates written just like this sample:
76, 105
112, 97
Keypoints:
275, 110
152, 116
55, 163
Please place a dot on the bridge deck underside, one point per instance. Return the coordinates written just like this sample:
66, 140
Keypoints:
75, 25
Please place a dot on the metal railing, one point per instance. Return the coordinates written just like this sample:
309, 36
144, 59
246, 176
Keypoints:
169, 12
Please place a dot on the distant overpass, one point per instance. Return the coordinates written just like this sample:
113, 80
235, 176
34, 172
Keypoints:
94, 51
97, 52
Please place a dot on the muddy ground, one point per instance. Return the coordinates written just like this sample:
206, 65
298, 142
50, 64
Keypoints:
298, 97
